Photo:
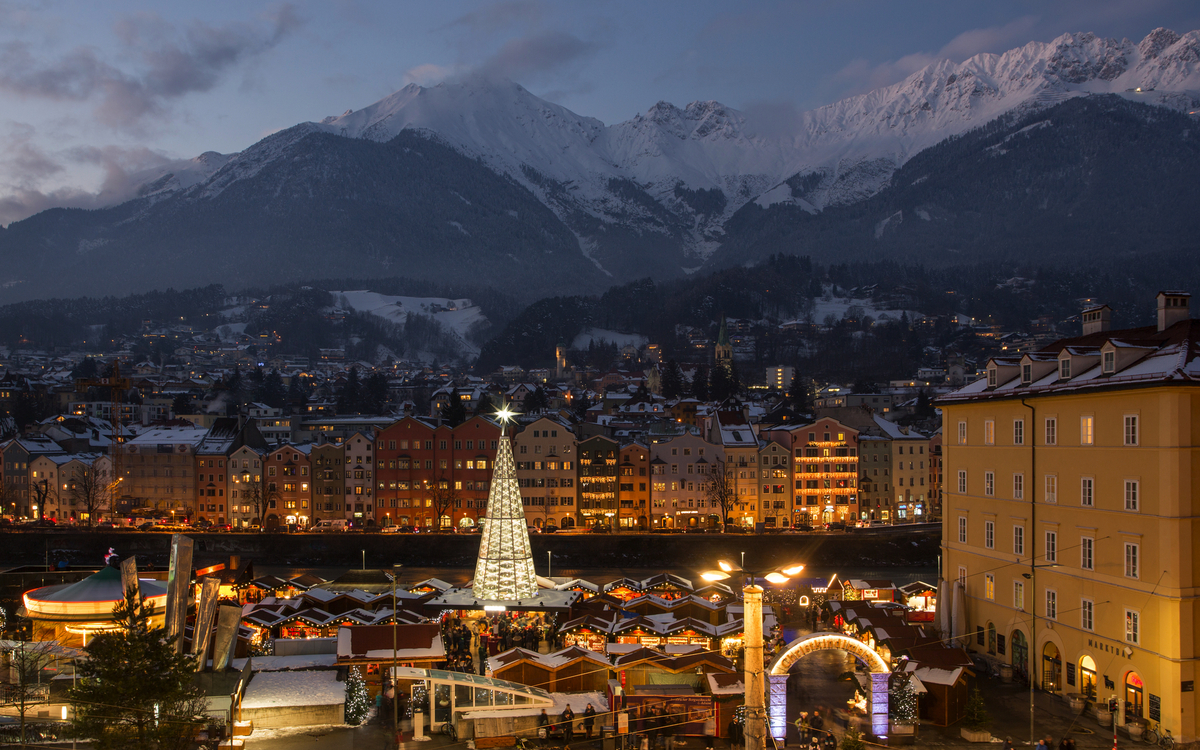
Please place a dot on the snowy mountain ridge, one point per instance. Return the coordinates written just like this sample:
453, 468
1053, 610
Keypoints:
680, 174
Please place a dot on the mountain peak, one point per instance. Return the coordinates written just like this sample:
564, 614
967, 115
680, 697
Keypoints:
1157, 41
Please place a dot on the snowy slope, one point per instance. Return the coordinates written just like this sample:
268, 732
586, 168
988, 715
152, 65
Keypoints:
456, 316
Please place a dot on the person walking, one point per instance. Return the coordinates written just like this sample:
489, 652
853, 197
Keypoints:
589, 721
543, 726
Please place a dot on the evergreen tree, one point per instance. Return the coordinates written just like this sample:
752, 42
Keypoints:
376, 396
902, 704
536, 401
134, 690
350, 399
720, 385
699, 389
297, 394
358, 704
799, 395
272, 391
852, 739
485, 407
976, 715
672, 380
454, 412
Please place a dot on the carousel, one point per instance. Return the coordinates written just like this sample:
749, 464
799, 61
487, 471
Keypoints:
71, 613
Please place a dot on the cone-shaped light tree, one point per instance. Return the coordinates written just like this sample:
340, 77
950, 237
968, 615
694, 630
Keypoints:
504, 571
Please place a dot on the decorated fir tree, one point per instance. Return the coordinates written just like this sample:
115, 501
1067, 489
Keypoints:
358, 705
903, 701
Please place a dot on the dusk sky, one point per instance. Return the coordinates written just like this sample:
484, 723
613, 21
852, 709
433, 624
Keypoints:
92, 91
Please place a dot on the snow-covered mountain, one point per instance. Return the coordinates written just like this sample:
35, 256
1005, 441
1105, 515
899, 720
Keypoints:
700, 164
481, 177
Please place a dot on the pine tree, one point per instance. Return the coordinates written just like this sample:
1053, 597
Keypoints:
800, 394
902, 704
852, 740
976, 715
699, 389
672, 380
454, 412
350, 399
358, 704
134, 690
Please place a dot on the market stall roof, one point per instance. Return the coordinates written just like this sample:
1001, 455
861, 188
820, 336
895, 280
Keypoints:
546, 600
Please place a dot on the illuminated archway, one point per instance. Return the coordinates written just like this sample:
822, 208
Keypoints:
777, 674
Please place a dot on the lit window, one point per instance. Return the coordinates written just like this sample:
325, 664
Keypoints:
1087, 430
1051, 604
1132, 627
989, 586
989, 432
962, 433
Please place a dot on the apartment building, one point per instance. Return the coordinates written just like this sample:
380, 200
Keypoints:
598, 481
739, 443
545, 451
633, 487
159, 468
289, 486
775, 476
1068, 514
328, 481
682, 469
358, 452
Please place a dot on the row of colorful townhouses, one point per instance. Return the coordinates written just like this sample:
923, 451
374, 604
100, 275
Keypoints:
414, 472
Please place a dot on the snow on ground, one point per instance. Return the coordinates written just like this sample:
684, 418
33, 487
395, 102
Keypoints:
613, 337
284, 663
230, 331
283, 689
456, 316
838, 306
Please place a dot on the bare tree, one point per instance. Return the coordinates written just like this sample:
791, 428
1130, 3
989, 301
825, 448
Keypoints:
26, 687
721, 493
443, 497
257, 498
90, 492
41, 492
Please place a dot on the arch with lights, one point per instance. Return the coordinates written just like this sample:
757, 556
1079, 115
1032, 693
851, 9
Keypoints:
777, 674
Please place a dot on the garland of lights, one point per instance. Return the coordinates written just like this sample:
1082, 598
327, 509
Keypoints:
358, 704
903, 703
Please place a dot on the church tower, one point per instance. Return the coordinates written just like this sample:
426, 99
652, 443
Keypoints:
724, 350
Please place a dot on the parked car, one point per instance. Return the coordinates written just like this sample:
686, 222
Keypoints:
802, 527
549, 529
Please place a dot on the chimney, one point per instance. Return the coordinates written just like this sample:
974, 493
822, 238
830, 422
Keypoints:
1097, 319
1172, 308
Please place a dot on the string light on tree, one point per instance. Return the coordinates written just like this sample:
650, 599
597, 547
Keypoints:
358, 704
505, 571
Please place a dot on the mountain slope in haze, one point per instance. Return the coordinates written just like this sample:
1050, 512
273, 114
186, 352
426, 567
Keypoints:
302, 203
482, 177
1095, 178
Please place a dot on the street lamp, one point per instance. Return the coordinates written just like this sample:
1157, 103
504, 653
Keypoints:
752, 622
395, 651
1033, 638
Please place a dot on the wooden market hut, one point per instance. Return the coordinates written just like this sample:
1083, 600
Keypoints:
571, 670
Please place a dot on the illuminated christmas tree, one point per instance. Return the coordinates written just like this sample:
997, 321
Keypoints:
903, 701
358, 703
504, 571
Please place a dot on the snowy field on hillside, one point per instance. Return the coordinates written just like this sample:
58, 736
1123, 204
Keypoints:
613, 337
456, 316
838, 306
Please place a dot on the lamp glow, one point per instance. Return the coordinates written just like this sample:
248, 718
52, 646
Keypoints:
793, 570
776, 577
714, 575
725, 566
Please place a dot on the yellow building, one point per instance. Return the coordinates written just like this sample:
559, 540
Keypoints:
1070, 514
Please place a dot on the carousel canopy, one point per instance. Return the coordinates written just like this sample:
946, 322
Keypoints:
91, 599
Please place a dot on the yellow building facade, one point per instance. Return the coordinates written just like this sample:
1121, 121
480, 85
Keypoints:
1070, 514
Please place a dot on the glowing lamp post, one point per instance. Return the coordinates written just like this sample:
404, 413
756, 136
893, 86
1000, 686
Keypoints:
752, 622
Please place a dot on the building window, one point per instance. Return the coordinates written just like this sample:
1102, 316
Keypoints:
1051, 431
1133, 629
1018, 540
1087, 547
989, 535
1018, 486
1087, 430
962, 481
1086, 614
1019, 595
1131, 429
989, 432
1087, 496
962, 529
991, 375
1131, 494
1051, 488
1026, 373
1131, 560
1051, 604
1051, 546
962, 433
1064, 369
989, 483
989, 586
1018, 432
